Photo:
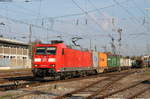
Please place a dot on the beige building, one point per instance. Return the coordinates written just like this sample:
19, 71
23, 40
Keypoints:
14, 54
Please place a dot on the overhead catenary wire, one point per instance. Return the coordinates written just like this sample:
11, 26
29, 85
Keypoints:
129, 13
135, 20
112, 38
139, 9
137, 6
96, 9
39, 10
133, 17
37, 25
69, 15
32, 13
88, 11
33, 25
87, 14
29, 24
18, 12
22, 22
21, 10
25, 9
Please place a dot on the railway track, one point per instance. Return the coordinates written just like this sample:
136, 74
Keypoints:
11, 80
10, 76
12, 83
94, 89
22, 82
130, 87
14, 74
53, 82
34, 83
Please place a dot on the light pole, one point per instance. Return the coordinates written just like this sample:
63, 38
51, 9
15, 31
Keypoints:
6, 26
2, 24
147, 17
147, 23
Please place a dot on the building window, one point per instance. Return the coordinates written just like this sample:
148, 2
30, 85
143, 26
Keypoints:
24, 57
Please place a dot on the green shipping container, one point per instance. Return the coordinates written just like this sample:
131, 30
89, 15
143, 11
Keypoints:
118, 60
113, 61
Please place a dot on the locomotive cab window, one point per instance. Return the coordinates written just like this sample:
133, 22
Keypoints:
51, 50
46, 50
40, 50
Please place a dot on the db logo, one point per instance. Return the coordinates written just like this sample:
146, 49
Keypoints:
44, 59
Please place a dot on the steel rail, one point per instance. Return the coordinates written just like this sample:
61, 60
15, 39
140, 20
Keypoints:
34, 84
120, 90
97, 82
16, 80
78, 90
73, 79
108, 85
139, 93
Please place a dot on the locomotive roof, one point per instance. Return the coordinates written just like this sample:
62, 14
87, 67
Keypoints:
58, 44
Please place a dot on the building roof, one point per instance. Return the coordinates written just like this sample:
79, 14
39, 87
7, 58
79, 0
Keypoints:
15, 42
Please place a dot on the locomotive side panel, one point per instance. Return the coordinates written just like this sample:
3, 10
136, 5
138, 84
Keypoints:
76, 60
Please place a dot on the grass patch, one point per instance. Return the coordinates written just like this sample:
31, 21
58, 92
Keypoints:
147, 73
6, 96
16, 70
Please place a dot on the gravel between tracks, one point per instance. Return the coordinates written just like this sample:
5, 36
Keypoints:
50, 91
128, 81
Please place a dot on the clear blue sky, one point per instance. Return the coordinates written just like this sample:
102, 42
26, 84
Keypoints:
104, 18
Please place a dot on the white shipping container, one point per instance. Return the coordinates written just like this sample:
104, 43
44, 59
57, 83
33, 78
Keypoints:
121, 62
125, 62
129, 62
95, 59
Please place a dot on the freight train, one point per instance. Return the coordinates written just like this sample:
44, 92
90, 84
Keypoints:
57, 59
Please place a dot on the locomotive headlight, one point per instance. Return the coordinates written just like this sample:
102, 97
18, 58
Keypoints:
51, 60
37, 60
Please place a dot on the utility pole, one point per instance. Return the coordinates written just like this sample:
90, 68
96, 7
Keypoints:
30, 45
113, 44
147, 18
30, 33
90, 44
105, 48
119, 40
148, 28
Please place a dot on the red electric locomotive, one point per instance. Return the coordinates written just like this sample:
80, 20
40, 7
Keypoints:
56, 59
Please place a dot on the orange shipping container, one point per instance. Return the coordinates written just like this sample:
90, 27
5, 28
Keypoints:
102, 60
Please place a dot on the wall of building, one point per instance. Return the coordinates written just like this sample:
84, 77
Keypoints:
14, 56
